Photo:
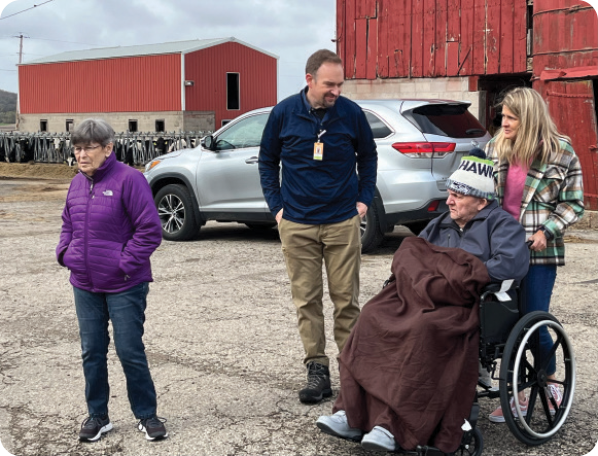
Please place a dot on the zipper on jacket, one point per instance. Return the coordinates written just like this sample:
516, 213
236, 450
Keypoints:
459, 238
319, 128
90, 197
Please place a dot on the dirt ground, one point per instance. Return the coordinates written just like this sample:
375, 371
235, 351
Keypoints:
222, 343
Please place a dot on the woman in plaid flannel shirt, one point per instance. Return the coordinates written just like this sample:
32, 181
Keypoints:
538, 181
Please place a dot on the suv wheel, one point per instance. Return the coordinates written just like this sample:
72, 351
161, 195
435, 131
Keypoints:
176, 213
371, 234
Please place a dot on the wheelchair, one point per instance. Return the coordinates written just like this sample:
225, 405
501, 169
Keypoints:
514, 339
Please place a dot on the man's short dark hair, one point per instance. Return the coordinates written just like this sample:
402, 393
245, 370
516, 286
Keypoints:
318, 58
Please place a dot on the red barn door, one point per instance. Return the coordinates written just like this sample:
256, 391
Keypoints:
573, 108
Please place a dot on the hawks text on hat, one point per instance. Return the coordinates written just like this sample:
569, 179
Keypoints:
474, 176
483, 169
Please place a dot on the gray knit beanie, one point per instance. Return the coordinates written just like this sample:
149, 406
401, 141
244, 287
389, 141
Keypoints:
474, 176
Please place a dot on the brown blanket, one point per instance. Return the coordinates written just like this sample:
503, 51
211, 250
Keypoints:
410, 364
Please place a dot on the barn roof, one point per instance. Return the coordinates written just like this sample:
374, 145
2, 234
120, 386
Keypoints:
183, 47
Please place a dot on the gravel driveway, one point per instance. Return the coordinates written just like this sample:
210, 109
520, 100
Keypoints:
222, 343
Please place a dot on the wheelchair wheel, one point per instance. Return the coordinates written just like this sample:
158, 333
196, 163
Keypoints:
472, 444
524, 369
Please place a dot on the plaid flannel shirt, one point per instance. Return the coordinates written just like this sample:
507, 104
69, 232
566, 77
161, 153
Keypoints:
552, 198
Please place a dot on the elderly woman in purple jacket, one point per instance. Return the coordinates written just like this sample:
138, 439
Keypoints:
110, 229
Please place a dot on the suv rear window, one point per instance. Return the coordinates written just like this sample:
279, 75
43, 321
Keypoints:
454, 121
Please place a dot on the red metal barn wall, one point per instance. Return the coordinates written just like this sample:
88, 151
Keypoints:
130, 84
565, 53
429, 38
208, 68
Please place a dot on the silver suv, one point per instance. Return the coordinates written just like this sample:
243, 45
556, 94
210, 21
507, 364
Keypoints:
420, 143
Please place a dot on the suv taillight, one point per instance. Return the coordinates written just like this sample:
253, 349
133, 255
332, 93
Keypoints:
425, 149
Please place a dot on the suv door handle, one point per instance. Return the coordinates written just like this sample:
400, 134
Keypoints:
251, 160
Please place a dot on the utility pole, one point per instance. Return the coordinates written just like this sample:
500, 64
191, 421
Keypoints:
18, 111
20, 48
21, 36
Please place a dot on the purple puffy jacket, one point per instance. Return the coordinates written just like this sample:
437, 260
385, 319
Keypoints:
110, 228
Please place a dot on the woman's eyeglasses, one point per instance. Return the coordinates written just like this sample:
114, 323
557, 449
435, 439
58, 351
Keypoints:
86, 149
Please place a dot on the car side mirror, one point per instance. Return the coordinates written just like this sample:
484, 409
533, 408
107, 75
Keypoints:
208, 142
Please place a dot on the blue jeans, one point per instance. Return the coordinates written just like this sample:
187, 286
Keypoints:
537, 290
127, 312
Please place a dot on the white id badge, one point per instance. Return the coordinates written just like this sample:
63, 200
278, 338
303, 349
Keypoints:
318, 151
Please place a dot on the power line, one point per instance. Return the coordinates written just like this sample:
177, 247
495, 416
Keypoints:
1, 69
62, 41
19, 12
48, 39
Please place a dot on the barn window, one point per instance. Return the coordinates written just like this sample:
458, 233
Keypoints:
132, 125
69, 125
43, 125
160, 125
233, 96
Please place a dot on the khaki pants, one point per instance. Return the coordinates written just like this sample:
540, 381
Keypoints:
304, 247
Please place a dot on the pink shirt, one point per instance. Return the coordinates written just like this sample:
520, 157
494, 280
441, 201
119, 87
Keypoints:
514, 189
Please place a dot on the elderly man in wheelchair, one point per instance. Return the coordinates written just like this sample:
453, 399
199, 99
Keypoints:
410, 367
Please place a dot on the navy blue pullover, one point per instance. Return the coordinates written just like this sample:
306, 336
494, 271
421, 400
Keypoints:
317, 192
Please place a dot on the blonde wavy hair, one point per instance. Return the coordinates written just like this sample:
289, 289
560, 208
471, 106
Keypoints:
535, 127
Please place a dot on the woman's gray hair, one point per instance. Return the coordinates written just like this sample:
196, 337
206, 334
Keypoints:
93, 131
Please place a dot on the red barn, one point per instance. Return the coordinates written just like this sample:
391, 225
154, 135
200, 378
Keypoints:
434, 49
185, 85
476, 50
565, 72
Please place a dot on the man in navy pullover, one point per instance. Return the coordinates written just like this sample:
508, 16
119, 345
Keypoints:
328, 180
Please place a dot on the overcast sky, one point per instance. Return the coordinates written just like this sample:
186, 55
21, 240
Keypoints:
291, 29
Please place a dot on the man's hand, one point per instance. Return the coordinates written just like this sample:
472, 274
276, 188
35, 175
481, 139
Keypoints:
539, 239
362, 209
279, 216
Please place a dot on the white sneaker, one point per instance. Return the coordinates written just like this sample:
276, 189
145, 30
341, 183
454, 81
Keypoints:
485, 379
379, 439
338, 426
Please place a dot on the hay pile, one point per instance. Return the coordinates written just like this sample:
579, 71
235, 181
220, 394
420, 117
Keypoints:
37, 170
